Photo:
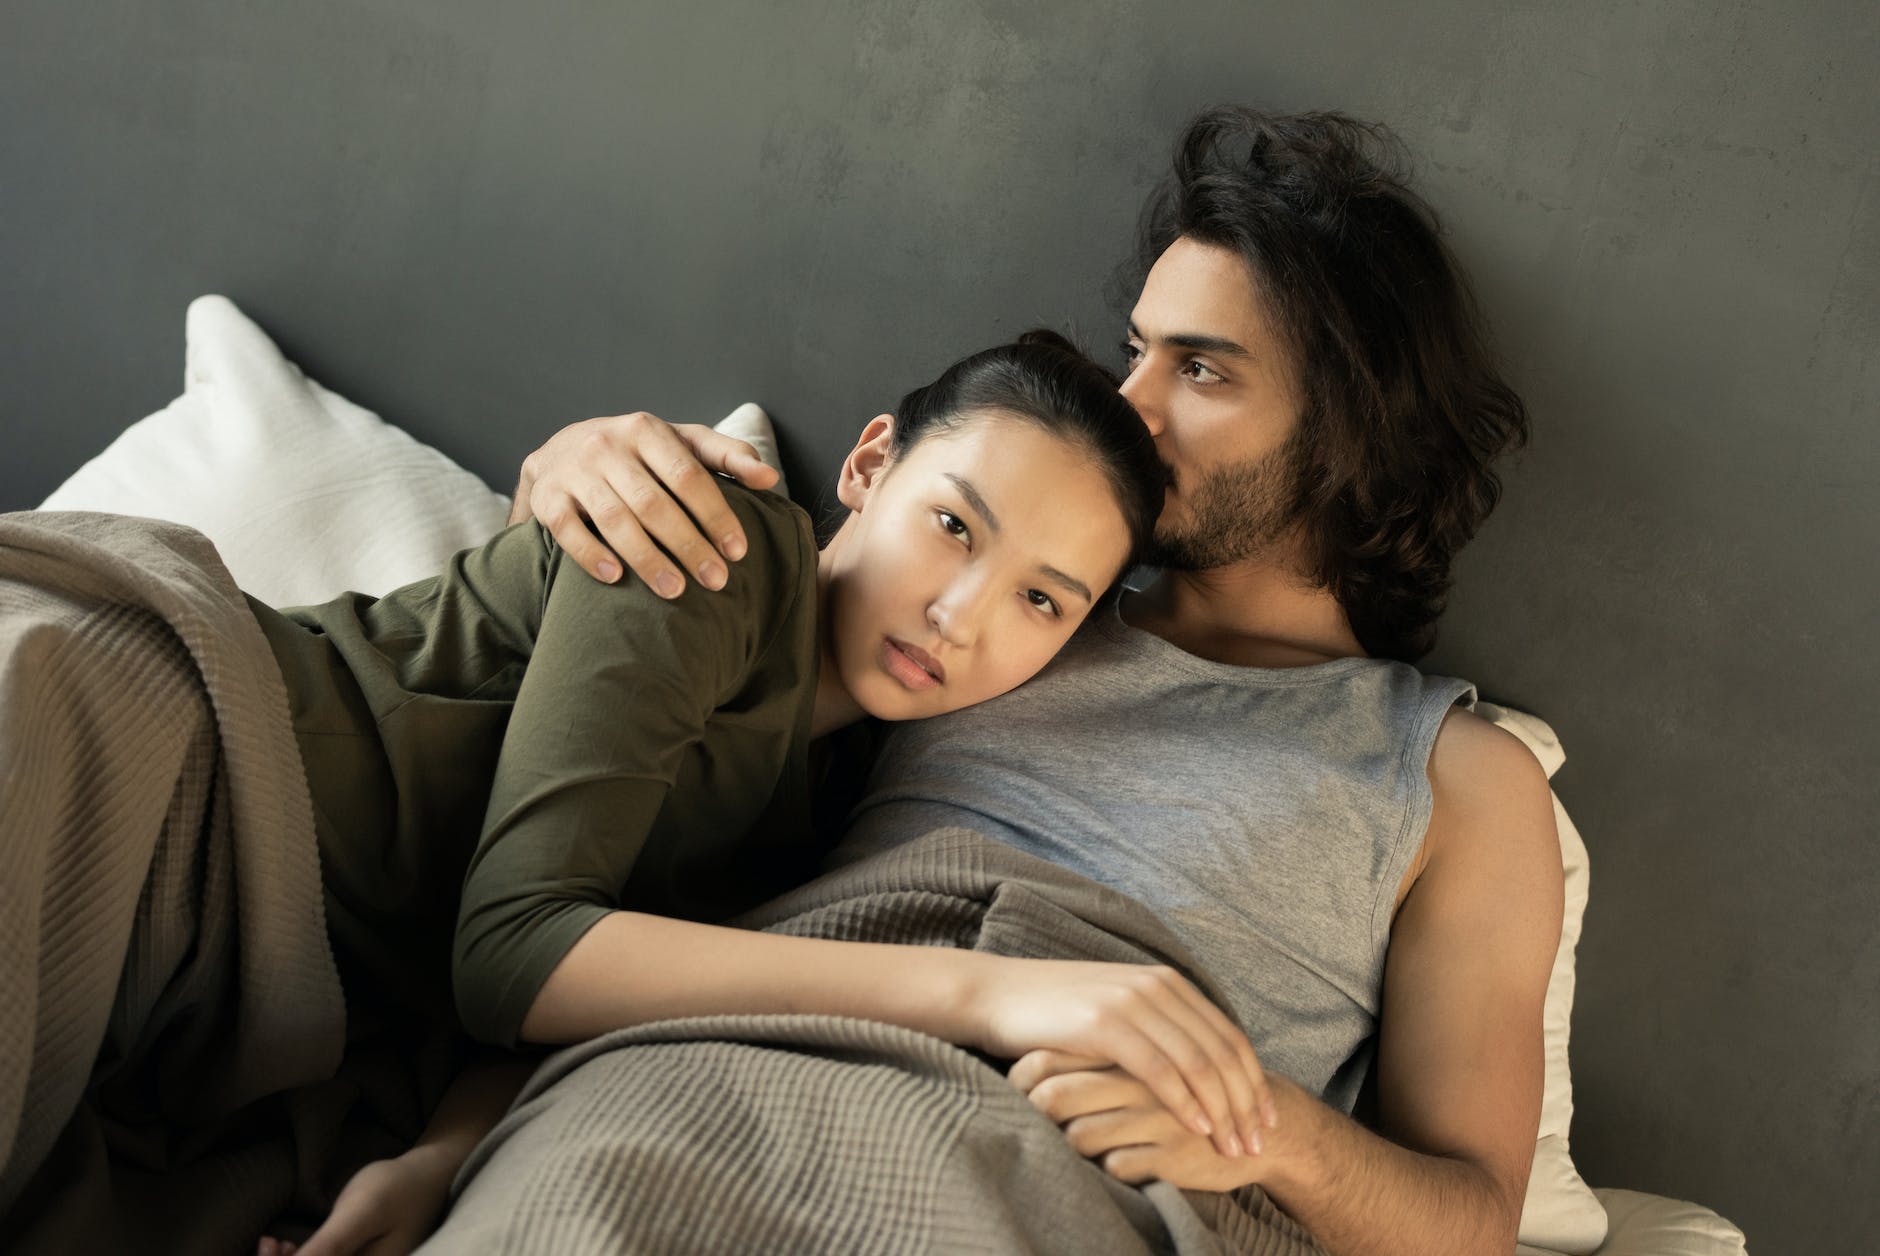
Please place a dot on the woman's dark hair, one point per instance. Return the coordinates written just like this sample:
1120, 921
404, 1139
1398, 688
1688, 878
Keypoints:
1044, 379
1404, 405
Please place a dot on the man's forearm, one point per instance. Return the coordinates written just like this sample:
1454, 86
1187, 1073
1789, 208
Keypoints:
1356, 1192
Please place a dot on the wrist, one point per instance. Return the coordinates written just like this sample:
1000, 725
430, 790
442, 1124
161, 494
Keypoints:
1291, 1161
965, 979
437, 1161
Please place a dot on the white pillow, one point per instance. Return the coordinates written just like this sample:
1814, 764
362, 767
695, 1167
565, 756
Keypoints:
305, 494
1560, 1213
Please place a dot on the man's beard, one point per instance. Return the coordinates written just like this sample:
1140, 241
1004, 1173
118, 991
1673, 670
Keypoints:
1233, 512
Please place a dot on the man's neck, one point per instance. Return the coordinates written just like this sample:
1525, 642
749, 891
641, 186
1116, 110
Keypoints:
1255, 613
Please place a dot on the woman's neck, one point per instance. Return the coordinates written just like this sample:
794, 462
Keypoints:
835, 706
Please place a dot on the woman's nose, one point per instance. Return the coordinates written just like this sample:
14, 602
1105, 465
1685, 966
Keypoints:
957, 612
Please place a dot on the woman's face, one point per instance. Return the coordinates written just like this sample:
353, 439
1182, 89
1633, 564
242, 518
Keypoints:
965, 564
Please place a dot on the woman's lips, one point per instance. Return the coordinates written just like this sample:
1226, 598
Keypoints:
911, 665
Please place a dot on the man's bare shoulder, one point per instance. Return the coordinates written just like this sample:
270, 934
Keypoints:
1492, 800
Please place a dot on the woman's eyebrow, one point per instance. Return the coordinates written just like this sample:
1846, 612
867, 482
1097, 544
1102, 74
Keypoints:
1071, 583
974, 500
978, 503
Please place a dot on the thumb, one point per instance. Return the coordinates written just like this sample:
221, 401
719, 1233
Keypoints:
1034, 1066
340, 1236
743, 463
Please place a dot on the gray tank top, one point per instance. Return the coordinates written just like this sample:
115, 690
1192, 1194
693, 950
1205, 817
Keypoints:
1266, 815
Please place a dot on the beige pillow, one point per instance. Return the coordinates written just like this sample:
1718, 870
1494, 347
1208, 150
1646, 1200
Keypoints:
1560, 1213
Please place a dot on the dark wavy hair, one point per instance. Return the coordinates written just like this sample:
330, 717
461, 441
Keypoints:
1405, 407
1045, 379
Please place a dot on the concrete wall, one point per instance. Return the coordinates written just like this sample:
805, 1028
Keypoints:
489, 219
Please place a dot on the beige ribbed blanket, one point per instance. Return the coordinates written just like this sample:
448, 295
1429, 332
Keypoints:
163, 956
167, 984
814, 1134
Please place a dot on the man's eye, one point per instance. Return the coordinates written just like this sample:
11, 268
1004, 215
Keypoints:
1042, 600
1130, 353
954, 525
1204, 374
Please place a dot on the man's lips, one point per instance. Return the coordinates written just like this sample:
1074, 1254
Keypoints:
911, 665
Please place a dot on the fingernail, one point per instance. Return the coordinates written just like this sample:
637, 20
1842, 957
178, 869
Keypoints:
610, 572
733, 547
668, 584
1201, 1124
1255, 1145
1233, 1145
711, 575
1271, 1111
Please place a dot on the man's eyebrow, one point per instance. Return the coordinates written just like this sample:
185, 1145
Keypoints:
974, 500
1199, 343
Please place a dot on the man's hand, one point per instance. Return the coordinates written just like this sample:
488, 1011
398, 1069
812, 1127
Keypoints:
1115, 1120
646, 486
1146, 1018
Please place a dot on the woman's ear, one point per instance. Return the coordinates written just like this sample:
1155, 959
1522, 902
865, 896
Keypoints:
867, 463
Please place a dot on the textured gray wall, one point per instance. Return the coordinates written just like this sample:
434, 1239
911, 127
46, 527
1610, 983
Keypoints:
486, 219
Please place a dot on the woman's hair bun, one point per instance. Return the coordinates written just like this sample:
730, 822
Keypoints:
1054, 340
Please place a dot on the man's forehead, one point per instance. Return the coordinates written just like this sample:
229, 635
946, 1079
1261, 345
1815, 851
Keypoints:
1198, 293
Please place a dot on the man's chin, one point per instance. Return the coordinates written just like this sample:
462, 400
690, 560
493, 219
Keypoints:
1176, 552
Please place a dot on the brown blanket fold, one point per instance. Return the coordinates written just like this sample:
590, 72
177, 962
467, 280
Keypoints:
163, 955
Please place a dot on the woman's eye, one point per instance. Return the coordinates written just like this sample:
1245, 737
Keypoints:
1131, 354
1042, 600
954, 525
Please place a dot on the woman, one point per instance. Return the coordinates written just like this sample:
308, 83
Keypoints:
649, 763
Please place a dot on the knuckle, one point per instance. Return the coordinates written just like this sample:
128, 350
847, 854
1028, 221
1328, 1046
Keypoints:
593, 441
1048, 1096
610, 513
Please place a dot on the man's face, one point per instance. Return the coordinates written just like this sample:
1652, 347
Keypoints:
1212, 378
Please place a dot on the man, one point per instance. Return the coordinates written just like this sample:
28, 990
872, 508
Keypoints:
1242, 745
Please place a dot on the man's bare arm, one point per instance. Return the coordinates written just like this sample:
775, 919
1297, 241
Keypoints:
646, 487
1459, 1057
1460, 1064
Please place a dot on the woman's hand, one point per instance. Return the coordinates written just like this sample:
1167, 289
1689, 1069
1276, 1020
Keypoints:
1112, 1118
1146, 1018
387, 1209
643, 482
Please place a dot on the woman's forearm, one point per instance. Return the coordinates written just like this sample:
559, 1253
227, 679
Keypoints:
476, 1100
632, 967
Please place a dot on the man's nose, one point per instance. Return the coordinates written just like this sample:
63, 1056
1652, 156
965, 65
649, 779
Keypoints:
1140, 393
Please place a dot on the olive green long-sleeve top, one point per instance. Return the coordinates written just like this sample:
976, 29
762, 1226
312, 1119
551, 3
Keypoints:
502, 755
